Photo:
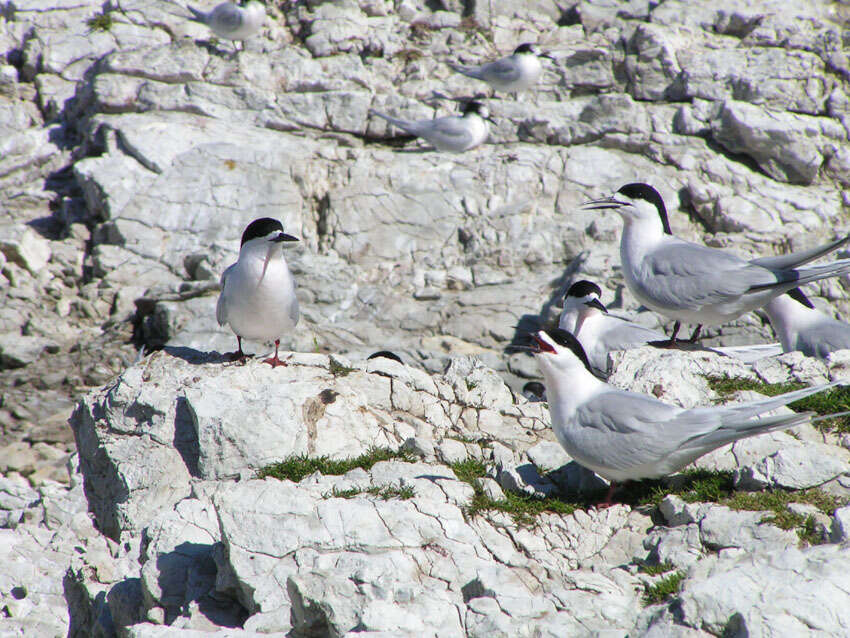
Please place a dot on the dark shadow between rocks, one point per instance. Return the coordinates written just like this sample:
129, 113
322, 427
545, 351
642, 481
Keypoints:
196, 357
85, 615
186, 436
529, 324
187, 575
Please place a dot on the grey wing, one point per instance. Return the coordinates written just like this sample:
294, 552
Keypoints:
227, 16
686, 275
445, 131
503, 71
800, 257
221, 305
822, 338
620, 430
624, 335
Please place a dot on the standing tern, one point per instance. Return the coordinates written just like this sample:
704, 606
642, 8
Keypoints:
516, 72
232, 21
453, 134
624, 436
599, 333
257, 292
800, 326
693, 283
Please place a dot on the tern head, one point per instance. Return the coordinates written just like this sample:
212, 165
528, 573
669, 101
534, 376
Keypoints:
635, 202
529, 48
474, 107
559, 351
584, 296
264, 234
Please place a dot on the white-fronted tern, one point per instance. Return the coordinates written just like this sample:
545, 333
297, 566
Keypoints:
516, 72
453, 133
625, 436
257, 292
232, 21
693, 283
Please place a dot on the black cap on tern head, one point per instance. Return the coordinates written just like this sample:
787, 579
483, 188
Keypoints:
473, 106
526, 47
567, 340
260, 228
386, 354
583, 288
638, 190
797, 295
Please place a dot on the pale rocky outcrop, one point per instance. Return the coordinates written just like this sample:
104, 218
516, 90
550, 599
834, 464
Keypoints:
133, 150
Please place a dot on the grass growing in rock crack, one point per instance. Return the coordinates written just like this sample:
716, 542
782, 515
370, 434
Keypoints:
835, 399
524, 509
297, 467
384, 493
100, 21
338, 369
657, 569
704, 486
663, 589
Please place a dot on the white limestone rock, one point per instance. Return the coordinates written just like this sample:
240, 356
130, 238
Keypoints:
795, 467
789, 591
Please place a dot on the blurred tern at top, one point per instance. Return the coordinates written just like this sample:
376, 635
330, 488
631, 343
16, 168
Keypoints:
800, 326
625, 436
599, 333
257, 292
453, 133
693, 283
516, 72
232, 21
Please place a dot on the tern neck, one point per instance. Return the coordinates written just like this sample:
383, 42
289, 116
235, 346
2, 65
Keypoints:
640, 235
568, 387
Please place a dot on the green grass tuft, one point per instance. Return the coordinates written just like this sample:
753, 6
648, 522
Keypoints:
663, 589
834, 400
100, 21
693, 486
384, 493
657, 569
524, 509
297, 467
337, 369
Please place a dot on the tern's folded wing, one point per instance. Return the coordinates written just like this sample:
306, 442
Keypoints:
502, 71
800, 257
227, 16
685, 275
622, 335
620, 430
445, 132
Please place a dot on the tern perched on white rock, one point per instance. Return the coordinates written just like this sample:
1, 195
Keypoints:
516, 72
454, 134
232, 21
258, 292
693, 283
625, 436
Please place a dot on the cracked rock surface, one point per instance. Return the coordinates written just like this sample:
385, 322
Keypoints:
134, 148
